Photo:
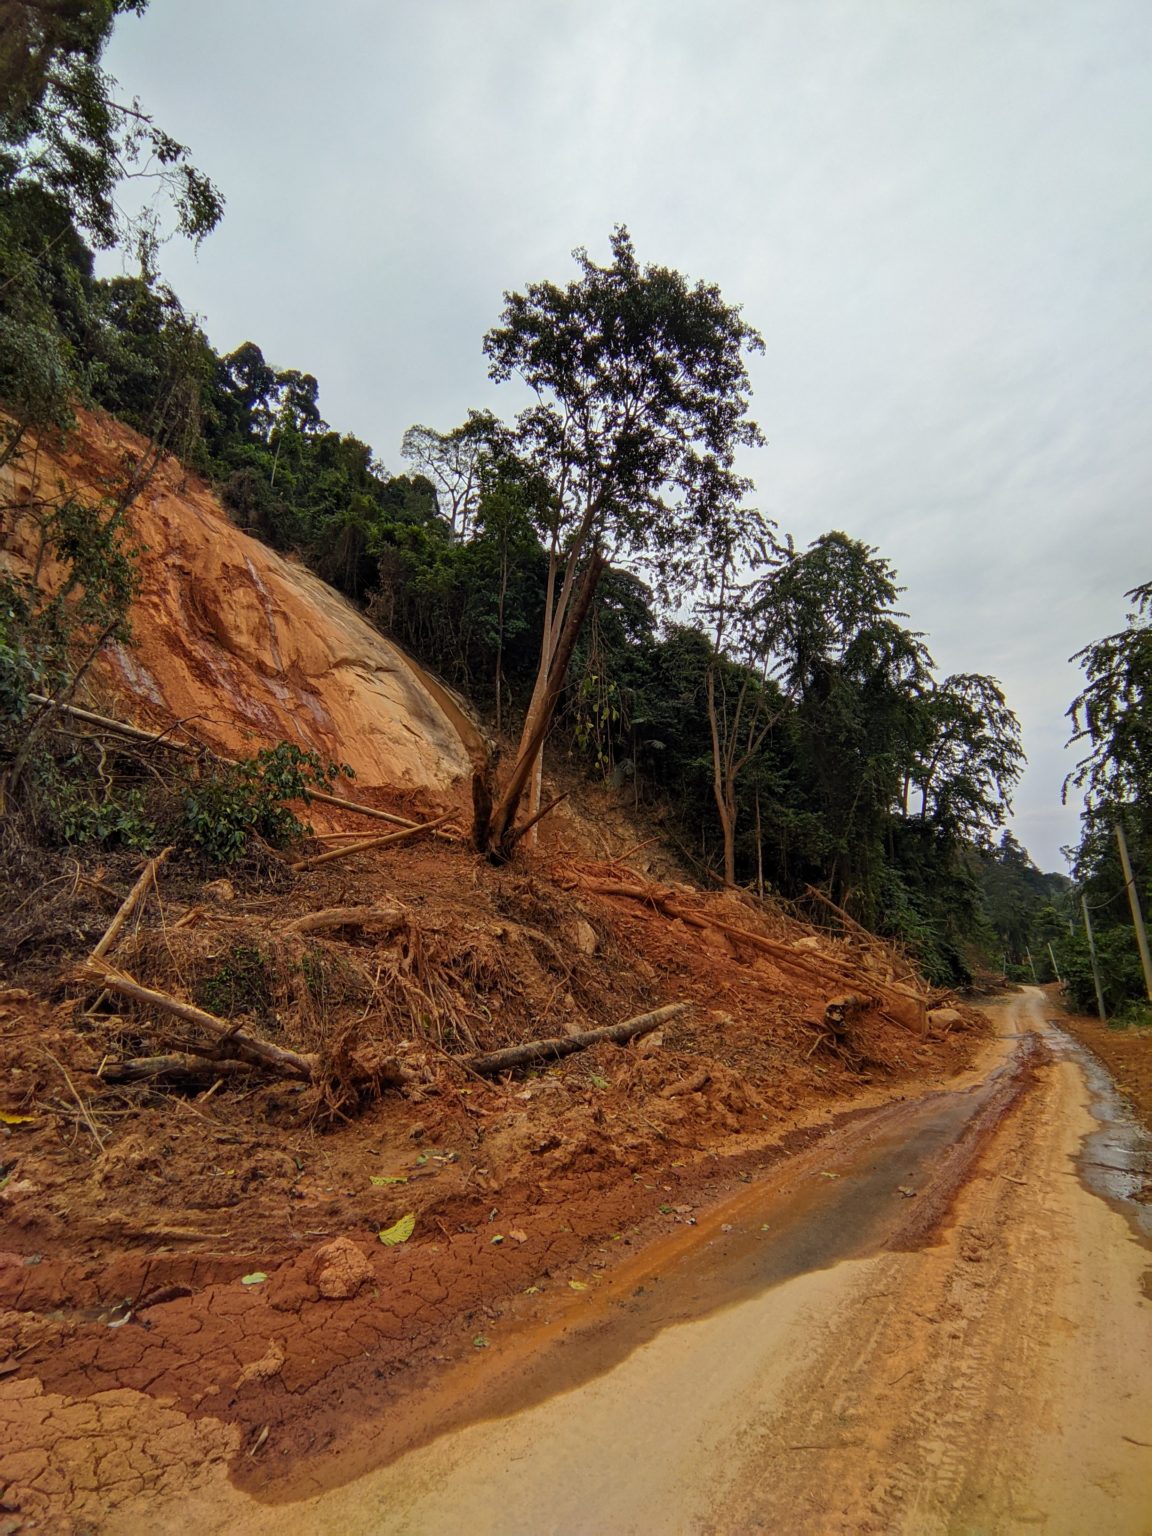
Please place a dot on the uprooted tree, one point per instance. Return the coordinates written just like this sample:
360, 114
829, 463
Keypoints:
641, 394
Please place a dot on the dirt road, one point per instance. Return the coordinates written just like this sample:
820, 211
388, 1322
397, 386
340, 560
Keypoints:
939, 1323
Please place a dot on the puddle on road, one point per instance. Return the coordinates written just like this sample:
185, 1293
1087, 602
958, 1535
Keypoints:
1115, 1161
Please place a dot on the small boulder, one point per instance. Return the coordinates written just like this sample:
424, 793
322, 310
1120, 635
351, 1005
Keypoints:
584, 937
339, 1269
943, 1018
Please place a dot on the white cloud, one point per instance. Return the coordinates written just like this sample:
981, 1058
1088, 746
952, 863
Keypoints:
940, 216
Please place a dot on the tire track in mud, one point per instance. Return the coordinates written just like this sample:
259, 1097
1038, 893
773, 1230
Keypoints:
985, 1384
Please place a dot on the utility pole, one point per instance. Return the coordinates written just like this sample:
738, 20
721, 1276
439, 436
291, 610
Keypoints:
1137, 916
1092, 953
1031, 964
1055, 967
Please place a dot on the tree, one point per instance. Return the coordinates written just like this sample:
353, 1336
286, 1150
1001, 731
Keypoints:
742, 705
453, 461
66, 145
62, 128
1113, 712
1112, 716
970, 758
641, 393
827, 615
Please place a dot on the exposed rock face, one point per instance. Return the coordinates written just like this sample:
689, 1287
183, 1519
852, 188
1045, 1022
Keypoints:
246, 646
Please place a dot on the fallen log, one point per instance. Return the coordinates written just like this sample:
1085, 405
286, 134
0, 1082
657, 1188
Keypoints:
805, 963
129, 904
870, 939
537, 1051
662, 901
234, 1043
179, 1069
364, 810
333, 918
900, 997
372, 842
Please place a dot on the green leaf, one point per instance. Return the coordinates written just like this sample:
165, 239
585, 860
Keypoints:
578, 1285
400, 1232
257, 1277
388, 1178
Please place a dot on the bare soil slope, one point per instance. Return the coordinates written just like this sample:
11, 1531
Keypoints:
193, 1278
246, 647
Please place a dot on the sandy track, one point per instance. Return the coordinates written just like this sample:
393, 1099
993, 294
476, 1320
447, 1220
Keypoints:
998, 1380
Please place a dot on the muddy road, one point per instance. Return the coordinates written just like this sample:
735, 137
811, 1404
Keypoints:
936, 1321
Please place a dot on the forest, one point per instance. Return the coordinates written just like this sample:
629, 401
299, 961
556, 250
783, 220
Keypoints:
589, 570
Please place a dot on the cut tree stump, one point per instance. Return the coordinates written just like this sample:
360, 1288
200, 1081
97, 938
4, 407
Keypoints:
839, 1011
537, 1051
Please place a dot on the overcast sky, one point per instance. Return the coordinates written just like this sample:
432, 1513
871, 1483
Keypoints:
937, 212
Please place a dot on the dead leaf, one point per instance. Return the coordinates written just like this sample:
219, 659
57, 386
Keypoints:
400, 1232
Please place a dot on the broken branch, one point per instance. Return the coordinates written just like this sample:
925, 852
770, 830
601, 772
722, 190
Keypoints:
537, 1051
333, 918
372, 842
176, 1070
129, 904
236, 1042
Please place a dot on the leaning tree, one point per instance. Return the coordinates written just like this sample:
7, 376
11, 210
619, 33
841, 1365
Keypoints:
640, 404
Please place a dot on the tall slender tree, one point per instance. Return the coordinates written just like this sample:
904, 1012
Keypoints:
641, 395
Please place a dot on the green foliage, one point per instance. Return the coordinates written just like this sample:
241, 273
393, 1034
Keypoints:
62, 128
1113, 713
235, 803
79, 812
641, 390
1112, 718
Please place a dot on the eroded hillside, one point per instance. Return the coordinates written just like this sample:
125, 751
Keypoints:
194, 1269
245, 647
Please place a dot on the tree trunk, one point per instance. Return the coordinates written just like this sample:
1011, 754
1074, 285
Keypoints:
498, 838
537, 1051
722, 787
232, 1042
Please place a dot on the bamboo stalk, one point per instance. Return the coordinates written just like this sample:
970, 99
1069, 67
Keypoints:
363, 810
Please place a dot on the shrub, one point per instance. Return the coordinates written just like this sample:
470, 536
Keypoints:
235, 803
